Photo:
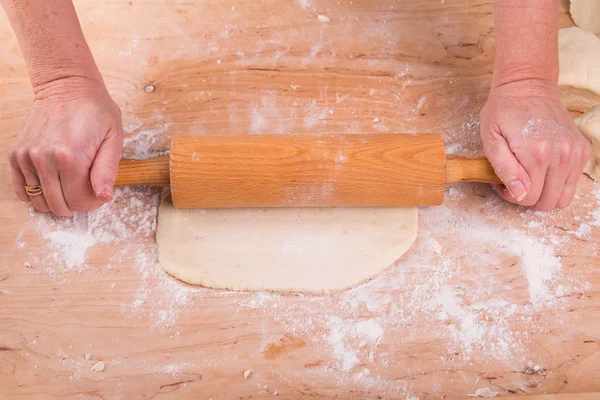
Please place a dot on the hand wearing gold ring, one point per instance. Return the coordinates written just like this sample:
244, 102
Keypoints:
66, 158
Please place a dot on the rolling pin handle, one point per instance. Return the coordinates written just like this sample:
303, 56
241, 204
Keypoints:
465, 169
144, 172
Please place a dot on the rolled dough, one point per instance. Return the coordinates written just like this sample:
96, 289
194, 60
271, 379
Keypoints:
579, 80
310, 250
586, 14
589, 125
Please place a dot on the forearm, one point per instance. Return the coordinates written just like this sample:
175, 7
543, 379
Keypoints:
51, 40
526, 41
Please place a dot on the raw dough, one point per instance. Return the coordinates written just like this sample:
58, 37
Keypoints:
579, 80
589, 125
311, 250
586, 14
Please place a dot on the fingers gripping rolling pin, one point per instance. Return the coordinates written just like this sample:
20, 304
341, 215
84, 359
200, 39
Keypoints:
211, 171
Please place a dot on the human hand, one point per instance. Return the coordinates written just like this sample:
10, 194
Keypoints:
533, 145
70, 146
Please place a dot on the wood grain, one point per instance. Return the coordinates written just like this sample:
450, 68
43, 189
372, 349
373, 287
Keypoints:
154, 171
307, 171
577, 396
302, 171
469, 169
383, 66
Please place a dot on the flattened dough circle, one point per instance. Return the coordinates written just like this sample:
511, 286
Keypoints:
312, 250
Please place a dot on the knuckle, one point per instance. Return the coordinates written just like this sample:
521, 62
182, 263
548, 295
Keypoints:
564, 150
578, 153
63, 155
36, 155
542, 151
21, 156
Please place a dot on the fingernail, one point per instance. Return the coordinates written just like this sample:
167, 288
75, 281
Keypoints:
105, 194
108, 189
517, 190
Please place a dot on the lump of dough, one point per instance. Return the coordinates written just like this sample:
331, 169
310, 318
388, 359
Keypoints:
586, 14
589, 125
312, 250
579, 81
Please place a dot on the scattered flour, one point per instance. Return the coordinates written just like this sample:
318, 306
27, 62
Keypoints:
304, 4
314, 115
484, 392
259, 123
144, 143
473, 314
465, 140
339, 331
125, 224
71, 246
132, 213
477, 323
174, 369
369, 331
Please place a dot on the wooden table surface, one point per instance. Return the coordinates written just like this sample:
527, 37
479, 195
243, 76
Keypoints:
490, 296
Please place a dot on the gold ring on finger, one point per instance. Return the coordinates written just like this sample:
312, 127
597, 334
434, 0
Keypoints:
33, 191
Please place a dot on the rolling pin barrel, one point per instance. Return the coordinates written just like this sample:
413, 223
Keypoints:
223, 171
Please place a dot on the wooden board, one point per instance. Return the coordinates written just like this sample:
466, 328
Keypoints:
489, 296
575, 396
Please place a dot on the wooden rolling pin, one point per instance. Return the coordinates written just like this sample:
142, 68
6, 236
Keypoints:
211, 171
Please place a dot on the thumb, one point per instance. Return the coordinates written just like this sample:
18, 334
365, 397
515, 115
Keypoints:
106, 165
510, 171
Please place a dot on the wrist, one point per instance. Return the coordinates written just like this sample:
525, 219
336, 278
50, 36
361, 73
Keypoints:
52, 74
525, 88
71, 87
538, 75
